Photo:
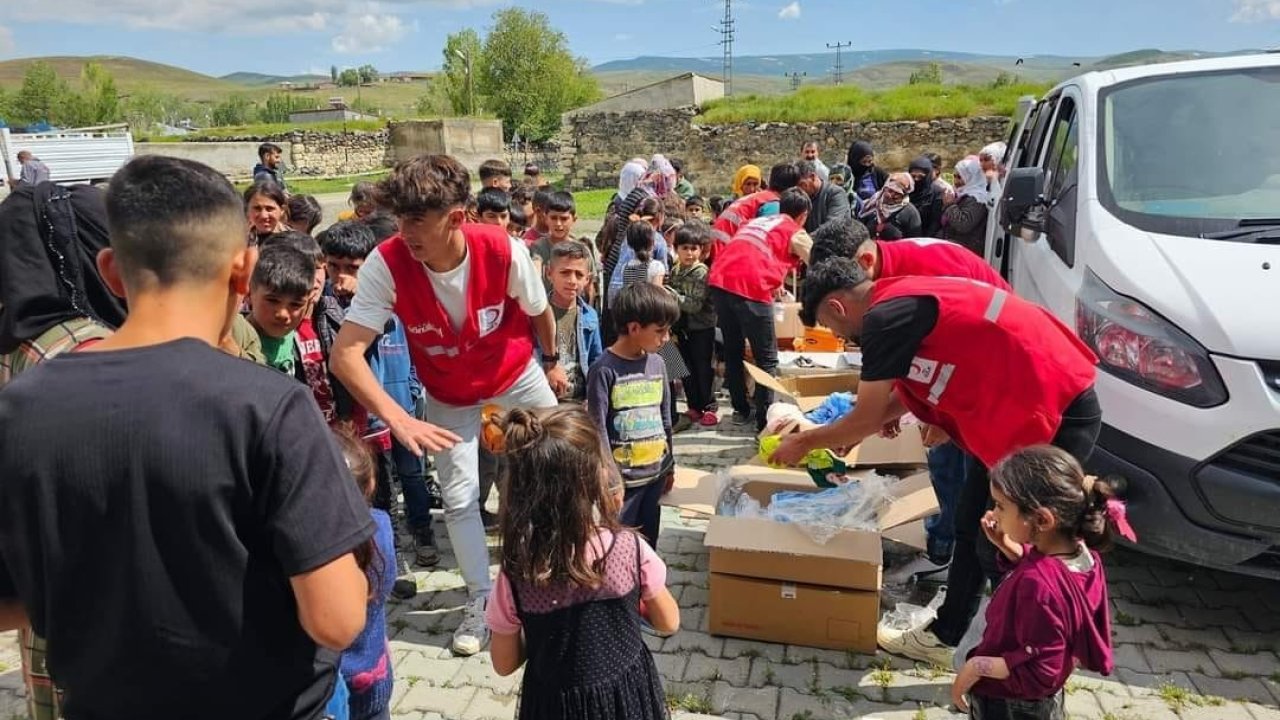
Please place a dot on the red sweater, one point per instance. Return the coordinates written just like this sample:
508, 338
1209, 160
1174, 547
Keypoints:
1042, 620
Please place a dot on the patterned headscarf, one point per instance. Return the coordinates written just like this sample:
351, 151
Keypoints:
662, 175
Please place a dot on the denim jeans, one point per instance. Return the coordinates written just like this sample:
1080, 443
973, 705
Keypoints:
742, 321
459, 470
411, 470
947, 473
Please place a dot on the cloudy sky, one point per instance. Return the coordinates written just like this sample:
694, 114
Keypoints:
293, 36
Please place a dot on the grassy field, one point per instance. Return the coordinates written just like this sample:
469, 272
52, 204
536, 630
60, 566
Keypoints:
264, 129
321, 186
852, 104
592, 204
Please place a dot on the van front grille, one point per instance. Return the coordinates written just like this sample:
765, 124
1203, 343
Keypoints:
1258, 456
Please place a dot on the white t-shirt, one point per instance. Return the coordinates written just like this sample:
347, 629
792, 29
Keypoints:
375, 295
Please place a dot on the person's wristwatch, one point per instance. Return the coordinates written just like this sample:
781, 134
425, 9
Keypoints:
550, 361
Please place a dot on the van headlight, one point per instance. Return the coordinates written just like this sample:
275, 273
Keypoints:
1137, 345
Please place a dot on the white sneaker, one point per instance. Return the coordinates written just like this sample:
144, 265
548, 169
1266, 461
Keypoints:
473, 634
918, 644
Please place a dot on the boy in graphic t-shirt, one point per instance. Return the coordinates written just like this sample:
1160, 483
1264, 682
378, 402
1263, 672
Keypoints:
577, 323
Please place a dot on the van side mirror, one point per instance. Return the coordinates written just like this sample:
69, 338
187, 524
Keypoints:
1023, 198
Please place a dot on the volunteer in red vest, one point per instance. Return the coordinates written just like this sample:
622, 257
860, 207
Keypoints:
926, 257
745, 280
995, 372
467, 295
782, 177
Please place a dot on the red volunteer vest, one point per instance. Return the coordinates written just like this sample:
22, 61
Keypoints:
928, 257
996, 372
484, 357
739, 212
756, 261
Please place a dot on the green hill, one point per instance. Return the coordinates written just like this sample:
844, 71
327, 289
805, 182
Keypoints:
129, 73
253, 79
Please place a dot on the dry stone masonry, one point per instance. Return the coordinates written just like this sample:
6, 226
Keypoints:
595, 146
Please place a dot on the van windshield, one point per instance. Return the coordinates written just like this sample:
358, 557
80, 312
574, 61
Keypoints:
1193, 153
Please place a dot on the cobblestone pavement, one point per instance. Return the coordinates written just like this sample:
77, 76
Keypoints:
1189, 643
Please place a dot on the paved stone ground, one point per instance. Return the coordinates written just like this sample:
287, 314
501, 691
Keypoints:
1189, 643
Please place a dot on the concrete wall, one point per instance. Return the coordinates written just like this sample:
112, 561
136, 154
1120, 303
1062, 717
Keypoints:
595, 146
705, 90
470, 141
233, 159
676, 92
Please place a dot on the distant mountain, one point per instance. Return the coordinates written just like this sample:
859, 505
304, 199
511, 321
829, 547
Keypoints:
130, 74
818, 65
253, 79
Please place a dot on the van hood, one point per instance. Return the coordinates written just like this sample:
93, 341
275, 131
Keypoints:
1223, 293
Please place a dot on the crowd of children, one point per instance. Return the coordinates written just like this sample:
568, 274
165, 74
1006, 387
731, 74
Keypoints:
621, 325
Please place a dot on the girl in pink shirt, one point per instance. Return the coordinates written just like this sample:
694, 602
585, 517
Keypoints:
566, 602
1050, 613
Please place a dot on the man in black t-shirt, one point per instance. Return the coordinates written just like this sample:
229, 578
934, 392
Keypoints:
177, 522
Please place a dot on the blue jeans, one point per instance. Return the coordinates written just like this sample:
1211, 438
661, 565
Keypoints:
413, 481
947, 472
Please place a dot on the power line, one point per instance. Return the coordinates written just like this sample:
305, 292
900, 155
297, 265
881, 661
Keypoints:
726, 41
795, 79
838, 73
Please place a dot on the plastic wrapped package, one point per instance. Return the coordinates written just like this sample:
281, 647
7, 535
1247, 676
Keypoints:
836, 406
820, 515
906, 617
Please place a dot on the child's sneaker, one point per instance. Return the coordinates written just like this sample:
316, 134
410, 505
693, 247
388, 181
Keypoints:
682, 424
709, 419
917, 644
694, 415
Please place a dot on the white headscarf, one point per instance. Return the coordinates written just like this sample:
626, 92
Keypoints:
630, 176
995, 151
975, 182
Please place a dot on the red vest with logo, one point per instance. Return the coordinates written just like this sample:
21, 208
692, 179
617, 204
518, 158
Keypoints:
756, 261
996, 372
928, 257
484, 357
739, 212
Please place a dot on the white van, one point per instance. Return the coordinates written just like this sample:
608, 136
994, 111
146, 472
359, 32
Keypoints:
87, 155
1142, 207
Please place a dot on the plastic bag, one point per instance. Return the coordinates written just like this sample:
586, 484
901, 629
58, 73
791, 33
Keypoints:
905, 616
836, 406
821, 515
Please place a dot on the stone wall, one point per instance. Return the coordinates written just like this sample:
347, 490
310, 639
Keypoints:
321, 154
594, 147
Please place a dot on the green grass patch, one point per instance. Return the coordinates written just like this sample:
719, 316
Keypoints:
261, 129
321, 186
691, 703
592, 204
847, 103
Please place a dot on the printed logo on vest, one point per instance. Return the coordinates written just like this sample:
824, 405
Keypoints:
489, 318
424, 329
922, 370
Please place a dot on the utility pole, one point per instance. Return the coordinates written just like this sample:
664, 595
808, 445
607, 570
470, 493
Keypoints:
726, 41
471, 91
795, 79
838, 73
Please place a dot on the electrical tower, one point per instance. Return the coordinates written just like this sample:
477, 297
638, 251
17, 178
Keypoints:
838, 73
726, 42
795, 79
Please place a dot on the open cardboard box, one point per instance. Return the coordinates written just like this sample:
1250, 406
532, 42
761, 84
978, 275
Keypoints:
789, 326
772, 582
809, 391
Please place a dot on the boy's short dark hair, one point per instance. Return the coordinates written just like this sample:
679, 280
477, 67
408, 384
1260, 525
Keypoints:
494, 168
794, 202
677, 164
301, 242
173, 220
540, 200
493, 200
517, 217
363, 192
305, 209
349, 239
284, 270
715, 204
570, 250
643, 303
267, 147
696, 201
838, 237
520, 195
783, 176
693, 232
825, 278
382, 223
561, 201
426, 183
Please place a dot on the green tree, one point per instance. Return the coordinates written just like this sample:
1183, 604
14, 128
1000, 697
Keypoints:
101, 100
235, 110
43, 96
6, 105
279, 106
458, 48
1004, 79
333, 74
435, 102
529, 76
368, 74
930, 74
349, 77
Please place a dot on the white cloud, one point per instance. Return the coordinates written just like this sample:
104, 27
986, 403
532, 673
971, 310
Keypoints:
369, 33
1256, 10
790, 12
7, 45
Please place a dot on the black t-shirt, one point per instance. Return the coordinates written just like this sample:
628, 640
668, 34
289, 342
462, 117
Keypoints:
891, 335
154, 503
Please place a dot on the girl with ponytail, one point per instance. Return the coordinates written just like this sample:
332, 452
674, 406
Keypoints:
568, 596
1051, 611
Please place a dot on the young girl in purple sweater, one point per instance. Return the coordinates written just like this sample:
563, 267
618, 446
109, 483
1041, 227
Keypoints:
1050, 613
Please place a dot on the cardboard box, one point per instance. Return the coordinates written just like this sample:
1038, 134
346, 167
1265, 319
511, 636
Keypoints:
789, 327
809, 391
771, 581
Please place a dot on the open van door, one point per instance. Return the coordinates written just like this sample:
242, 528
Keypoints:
1042, 259
997, 240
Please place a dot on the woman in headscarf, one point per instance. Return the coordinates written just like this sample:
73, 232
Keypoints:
267, 208
965, 219
867, 177
889, 214
992, 158
52, 300
747, 180
632, 173
925, 197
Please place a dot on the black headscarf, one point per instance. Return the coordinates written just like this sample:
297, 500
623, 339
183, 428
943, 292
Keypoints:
857, 152
50, 236
923, 192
